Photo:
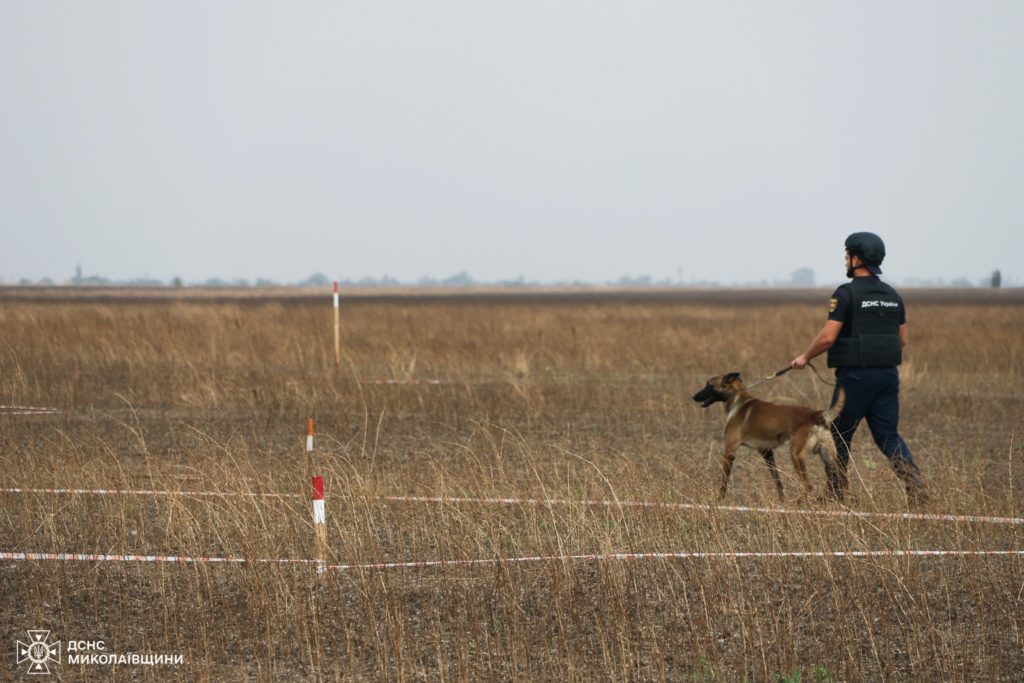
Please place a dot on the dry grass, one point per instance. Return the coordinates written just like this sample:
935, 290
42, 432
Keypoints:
544, 400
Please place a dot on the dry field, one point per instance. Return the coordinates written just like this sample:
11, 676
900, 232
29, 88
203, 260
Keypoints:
546, 398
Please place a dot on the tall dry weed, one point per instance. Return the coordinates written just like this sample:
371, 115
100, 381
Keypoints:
577, 402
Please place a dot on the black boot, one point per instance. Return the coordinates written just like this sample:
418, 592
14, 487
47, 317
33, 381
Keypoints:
908, 473
837, 484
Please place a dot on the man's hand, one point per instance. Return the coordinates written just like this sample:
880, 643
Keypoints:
822, 343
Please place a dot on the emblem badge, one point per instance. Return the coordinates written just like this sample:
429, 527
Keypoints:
38, 652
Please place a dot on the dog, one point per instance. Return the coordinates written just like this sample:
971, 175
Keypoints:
763, 426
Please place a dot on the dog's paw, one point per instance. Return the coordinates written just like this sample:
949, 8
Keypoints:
828, 499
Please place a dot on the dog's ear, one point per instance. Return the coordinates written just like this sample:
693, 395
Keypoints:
732, 377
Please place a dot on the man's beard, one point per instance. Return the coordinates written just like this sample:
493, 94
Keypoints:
849, 272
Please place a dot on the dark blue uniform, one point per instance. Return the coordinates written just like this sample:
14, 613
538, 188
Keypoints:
872, 391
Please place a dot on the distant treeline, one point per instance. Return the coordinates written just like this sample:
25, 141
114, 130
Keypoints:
803, 277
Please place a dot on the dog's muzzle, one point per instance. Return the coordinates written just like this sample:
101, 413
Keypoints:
706, 397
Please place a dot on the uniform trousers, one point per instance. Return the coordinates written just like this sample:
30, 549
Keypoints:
872, 394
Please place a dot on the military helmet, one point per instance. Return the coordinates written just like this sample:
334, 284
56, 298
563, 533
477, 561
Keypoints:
869, 247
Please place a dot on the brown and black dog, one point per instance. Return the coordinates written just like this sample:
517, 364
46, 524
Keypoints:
763, 426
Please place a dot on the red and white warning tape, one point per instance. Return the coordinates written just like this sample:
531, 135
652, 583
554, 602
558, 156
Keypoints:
322, 567
150, 492
45, 408
551, 502
695, 506
848, 554
87, 557
29, 410
403, 381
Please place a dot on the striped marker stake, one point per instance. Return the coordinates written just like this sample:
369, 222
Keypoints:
337, 329
319, 513
319, 518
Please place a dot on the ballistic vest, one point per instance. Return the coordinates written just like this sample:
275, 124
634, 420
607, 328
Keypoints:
874, 334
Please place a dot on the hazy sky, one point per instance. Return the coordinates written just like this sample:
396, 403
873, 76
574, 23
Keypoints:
574, 139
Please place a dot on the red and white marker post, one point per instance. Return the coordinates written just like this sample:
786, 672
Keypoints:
319, 517
319, 511
309, 440
337, 328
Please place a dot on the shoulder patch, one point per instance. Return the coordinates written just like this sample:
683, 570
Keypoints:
833, 303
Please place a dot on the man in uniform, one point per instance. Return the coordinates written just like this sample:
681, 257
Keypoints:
864, 335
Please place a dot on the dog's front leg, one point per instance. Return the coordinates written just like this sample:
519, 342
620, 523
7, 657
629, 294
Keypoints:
732, 442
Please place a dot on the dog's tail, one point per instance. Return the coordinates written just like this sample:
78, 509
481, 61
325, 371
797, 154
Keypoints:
827, 417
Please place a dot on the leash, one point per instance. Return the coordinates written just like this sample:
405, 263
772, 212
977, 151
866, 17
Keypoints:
769, 378
822, 379
784, 370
